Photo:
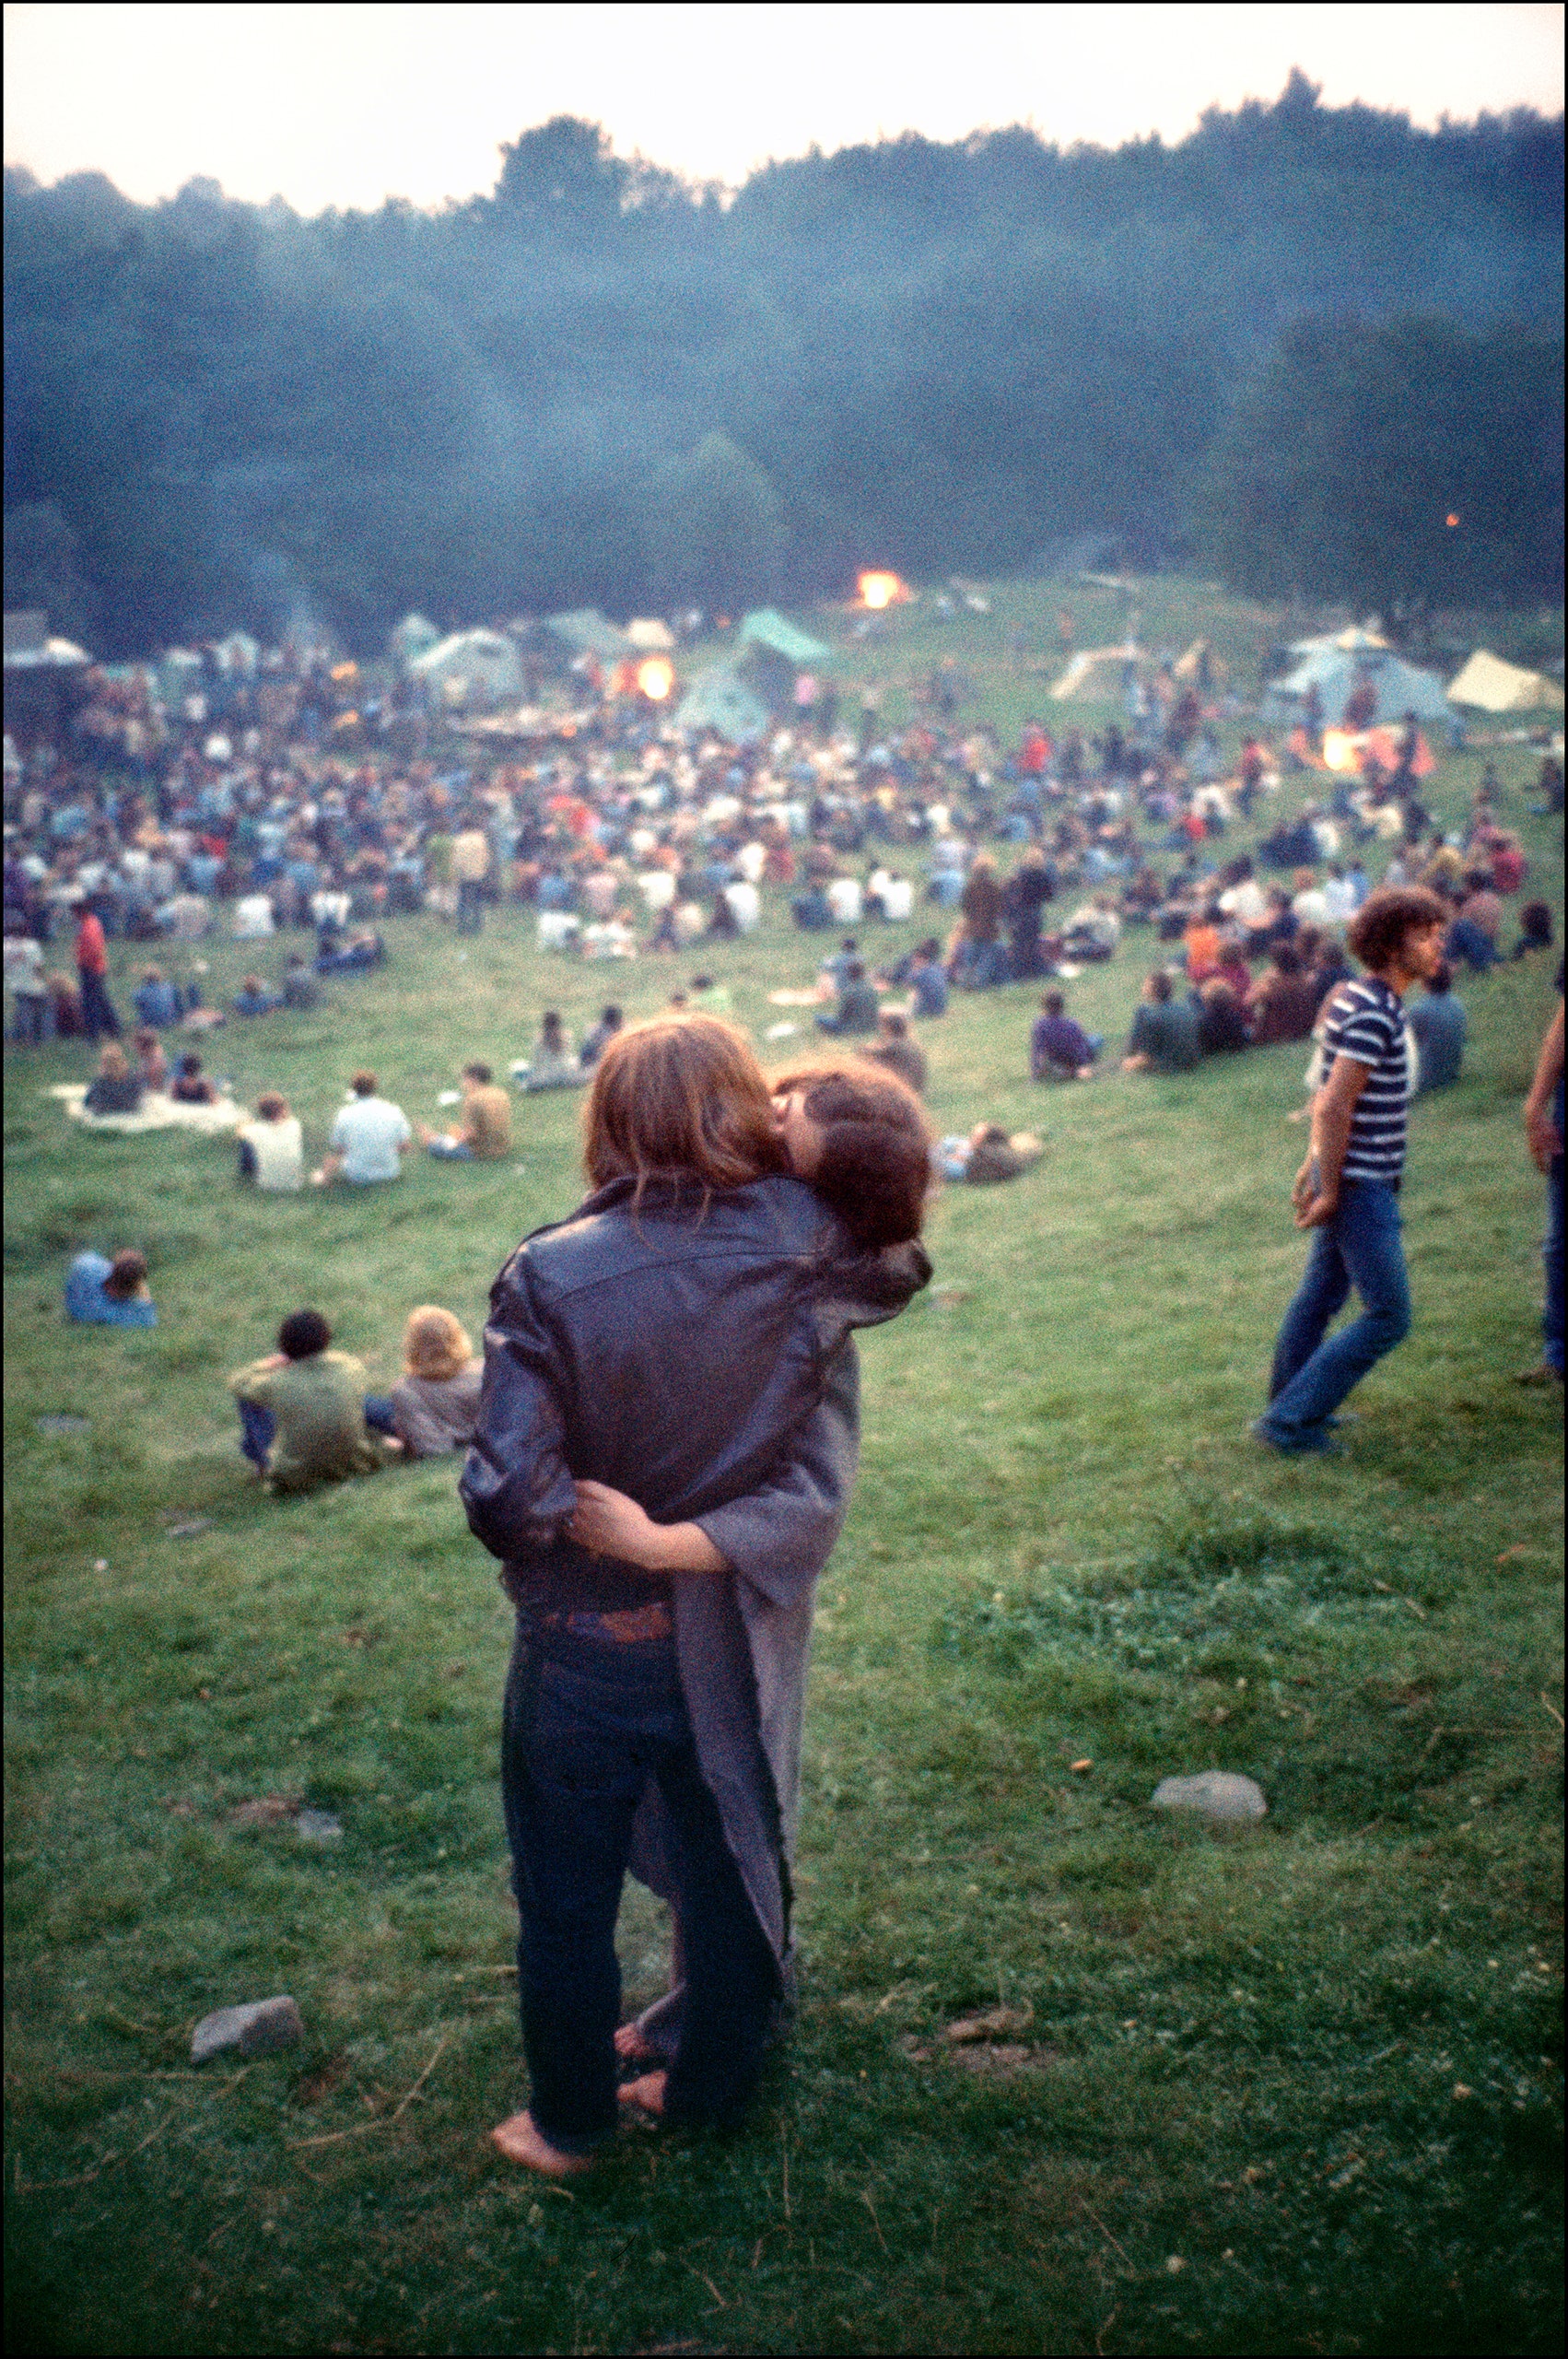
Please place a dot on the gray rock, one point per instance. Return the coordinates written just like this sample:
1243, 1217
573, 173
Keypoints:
255, 2030
319, 1826
1217, 1794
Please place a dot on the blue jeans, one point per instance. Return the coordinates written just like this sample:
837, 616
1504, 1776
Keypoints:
1551, 1253
450, 1150
586, 1724
1359, 1247
31, 1009
98, 1009
470, 906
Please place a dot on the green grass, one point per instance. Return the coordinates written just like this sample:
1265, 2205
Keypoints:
1294, 2092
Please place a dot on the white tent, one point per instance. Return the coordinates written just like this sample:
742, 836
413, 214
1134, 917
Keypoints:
1497, 687
649, 635
475, 666
1086, 674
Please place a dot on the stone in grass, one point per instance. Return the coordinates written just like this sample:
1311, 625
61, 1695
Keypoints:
1218, 1795
319, 1826
258, 2029
994, 2025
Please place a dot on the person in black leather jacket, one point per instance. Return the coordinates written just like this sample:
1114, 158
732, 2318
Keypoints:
662, 1458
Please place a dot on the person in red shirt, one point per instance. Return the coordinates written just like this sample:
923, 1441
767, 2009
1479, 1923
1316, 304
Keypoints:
92, 969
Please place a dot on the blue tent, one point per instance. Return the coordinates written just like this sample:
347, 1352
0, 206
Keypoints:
1337, 673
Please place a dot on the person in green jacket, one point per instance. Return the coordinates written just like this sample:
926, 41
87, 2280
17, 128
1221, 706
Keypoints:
302, 1409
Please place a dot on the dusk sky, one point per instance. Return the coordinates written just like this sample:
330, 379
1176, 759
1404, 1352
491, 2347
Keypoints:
349, 105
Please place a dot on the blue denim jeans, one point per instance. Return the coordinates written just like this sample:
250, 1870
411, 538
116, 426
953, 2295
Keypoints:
450, 1150
1551, 1253
470, 906
1312, 1372
586, 1725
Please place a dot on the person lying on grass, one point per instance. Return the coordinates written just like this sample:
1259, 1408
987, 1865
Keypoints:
665, 1447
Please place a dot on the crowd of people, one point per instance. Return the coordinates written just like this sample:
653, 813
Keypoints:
660, 1444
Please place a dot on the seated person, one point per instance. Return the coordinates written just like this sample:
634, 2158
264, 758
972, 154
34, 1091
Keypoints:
1221, 1024
110, 1294
151, 1062
858, 1009
1283, 1002
271, 1150
367, 1141
812, 910
832, 971
300, 989
550, 1064
987, 1155
65, 1017
1092, 932
252, 998
486, 1131
595, 1043
896, 1049
928, 980
1059, 1049
709, 998
1203, 946
434, 1403
1437, 1020
190, 1086
1164, 1037
1535, 929
156, 1003
338, 957
302, 1409
115, 1090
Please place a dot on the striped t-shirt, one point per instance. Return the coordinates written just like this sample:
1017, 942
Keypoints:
1365, 1020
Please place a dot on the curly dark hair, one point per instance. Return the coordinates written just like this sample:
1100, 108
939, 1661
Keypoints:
1377, 932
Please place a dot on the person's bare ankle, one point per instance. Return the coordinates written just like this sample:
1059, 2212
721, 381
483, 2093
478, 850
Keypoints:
521, 2141
646, 2094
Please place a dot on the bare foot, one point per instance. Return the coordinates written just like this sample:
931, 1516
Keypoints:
646, 2095
631, 2047
521, 2142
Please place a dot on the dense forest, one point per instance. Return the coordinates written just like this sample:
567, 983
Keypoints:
1289, 347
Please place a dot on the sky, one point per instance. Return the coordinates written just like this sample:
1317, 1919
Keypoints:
349, 105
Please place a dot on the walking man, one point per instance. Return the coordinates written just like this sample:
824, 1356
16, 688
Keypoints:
1347, 1191
470, 865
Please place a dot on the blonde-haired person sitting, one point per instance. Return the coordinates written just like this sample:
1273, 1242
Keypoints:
435, 1400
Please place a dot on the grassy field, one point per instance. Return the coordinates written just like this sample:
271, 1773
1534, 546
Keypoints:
1294, 2092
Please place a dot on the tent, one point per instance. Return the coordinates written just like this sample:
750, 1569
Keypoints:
413, 637
1361, 639
585, 631
770, 629
1336, 673
1497, 687
720, 700
650, 636
1096, 672
476, 666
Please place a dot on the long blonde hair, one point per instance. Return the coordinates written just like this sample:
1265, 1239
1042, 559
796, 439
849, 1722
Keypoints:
434, 1344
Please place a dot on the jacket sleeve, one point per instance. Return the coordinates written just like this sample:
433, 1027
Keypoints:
778, 1537
515, 1487
864, 1289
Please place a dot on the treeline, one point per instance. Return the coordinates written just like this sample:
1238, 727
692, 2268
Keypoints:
1289, 345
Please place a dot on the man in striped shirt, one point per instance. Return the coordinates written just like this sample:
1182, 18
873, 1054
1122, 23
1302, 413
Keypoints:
1347, 1191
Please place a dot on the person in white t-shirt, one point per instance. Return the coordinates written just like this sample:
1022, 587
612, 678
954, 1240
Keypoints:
368, 1139
271, 1148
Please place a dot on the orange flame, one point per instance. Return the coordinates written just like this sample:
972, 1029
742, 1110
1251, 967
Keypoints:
880, 590
655, 677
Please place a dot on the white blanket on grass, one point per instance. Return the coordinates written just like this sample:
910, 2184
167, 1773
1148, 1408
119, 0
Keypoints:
155, 1112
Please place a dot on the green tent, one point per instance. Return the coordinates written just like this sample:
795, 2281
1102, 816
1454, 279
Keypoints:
586, 632
768, 628
720, 700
